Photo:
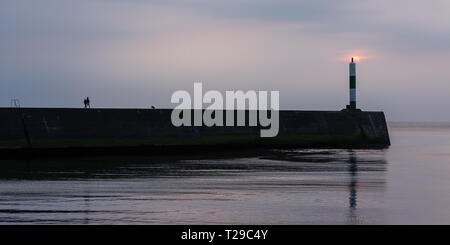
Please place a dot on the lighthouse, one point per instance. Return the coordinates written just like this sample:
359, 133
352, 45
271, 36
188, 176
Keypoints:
352, 81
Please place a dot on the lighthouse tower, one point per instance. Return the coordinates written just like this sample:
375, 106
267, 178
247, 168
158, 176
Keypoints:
352, 71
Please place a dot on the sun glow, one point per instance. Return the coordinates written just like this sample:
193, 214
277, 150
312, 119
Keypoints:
357, 55
356, 58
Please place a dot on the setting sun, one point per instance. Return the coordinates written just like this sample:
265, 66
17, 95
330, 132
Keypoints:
357, 55
356, 58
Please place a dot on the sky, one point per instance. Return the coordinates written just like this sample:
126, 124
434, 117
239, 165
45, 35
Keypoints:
136, 53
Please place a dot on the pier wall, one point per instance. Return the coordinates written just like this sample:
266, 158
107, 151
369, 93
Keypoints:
97, 127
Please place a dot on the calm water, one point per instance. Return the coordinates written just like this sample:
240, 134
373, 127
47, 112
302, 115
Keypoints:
407, 184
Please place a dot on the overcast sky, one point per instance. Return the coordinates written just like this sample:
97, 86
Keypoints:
136, 53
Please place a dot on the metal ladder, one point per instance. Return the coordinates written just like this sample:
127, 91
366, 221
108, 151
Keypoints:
15, 103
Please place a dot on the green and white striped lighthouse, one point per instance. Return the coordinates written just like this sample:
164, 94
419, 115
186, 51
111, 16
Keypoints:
352, 70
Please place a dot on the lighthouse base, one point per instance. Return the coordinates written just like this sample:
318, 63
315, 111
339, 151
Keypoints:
349, 108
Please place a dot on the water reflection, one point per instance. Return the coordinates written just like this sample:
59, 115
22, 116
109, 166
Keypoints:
275, 187
86, 199
353, 171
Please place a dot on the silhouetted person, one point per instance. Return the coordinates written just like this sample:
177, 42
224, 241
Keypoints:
87, 103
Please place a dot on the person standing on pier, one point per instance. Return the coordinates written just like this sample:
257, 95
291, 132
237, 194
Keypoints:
87, 103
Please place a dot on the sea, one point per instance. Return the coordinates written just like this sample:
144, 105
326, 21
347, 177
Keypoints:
408, 183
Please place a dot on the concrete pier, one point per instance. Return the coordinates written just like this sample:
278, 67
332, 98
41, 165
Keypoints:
59, 129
